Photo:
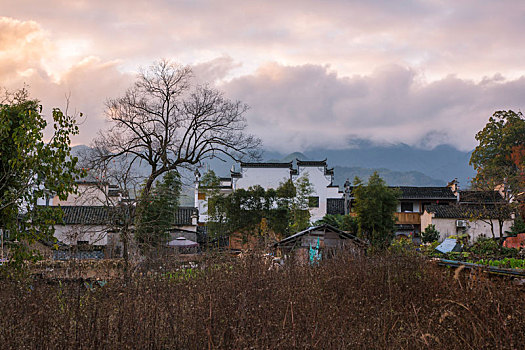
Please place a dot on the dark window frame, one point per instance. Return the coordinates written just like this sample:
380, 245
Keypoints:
405, 209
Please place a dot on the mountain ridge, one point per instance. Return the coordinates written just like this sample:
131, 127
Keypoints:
398, 164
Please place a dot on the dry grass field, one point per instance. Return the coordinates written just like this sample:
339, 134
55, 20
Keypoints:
380, 302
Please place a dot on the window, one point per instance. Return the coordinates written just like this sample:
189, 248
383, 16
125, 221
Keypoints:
313, 202
82, 242
202, 196
407, 207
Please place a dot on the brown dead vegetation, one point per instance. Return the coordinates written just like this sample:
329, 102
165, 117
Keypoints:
386, 302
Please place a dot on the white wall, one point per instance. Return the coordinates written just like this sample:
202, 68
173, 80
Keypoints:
70, 234
320, 183
475, 228
272, 178
88, 195
264, 177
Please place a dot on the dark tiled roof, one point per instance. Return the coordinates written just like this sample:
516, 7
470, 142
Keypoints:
480, 197
184, 215
100, 215
413, 192
329, 171
267, 165
235, 174
335, 206
86, 215
342, 234
464, 212
311, 162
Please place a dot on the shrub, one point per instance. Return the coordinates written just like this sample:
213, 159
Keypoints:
403, 246
430, 234
518, 226
380, 302
490, 247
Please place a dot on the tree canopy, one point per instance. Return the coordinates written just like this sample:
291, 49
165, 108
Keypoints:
160, 212
343, 222
32, 169
499, 158
167, 121
256, 211
375, 205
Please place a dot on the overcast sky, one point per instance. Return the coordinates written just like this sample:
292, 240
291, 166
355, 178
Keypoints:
315, 73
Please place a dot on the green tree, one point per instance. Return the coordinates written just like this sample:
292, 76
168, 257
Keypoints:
343, 222
294, 198
375, 205
430, 234
517, 227
284, 210
159, 212
31, 169
499, 160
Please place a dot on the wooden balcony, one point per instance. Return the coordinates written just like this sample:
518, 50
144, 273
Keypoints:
408, 218
403, 218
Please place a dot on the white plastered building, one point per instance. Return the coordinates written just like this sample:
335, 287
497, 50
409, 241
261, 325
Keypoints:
272, 175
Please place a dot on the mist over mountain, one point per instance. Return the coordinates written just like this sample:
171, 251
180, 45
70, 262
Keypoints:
406, 164
398, 165
391, 177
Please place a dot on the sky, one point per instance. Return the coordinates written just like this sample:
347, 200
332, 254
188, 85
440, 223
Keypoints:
314, 73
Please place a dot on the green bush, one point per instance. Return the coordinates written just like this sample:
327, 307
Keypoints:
490, 247
517, 227
511, 263
430, 234
402, 246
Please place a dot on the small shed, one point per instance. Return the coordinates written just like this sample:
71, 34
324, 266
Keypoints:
325, 239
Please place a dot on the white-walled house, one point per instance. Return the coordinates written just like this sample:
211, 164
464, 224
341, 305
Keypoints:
84, 225
272, 175
91, 192
266, 175
457, 219
321, 179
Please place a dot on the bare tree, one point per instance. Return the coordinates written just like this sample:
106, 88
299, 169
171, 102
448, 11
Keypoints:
167, 123
117, 184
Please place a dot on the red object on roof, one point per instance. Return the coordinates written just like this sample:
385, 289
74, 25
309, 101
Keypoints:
515, 242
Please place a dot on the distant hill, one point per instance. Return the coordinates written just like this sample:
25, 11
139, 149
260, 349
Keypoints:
392, 178
398, 165
293, 156
443, 162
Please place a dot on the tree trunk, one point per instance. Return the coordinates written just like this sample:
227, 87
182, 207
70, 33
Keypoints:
125, 253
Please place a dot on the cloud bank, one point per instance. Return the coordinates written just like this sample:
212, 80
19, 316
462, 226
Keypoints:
316, 74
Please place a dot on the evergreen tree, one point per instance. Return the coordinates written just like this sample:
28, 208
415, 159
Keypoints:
159, 212
375, 205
